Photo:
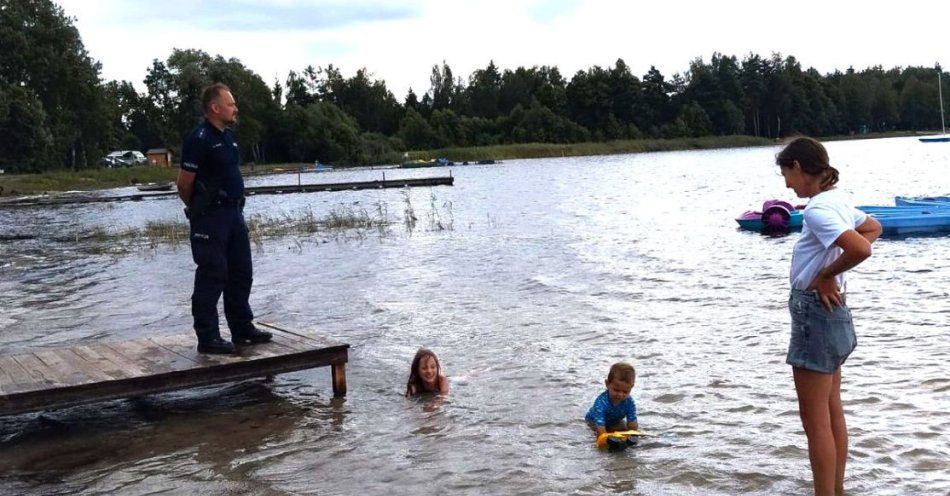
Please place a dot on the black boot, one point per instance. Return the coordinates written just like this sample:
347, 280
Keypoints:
215, 346
248, 334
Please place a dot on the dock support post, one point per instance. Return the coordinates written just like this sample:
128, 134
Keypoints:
338, 371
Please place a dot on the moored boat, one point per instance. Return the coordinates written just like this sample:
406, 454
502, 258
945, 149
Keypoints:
438, 162
166, 186
776, 216
923, 201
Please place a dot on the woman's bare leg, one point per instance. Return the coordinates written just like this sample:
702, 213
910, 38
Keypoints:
814, 401
839, 429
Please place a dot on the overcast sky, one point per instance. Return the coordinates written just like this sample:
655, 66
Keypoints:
400, 41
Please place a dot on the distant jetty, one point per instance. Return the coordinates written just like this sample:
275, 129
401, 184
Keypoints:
249, 191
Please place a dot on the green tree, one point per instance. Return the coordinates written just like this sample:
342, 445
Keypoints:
448, 128
696, 120
916, 104
442, 90
320, 131
539, 124
43, 54
416, 133
27, 144
484, 91
656, 109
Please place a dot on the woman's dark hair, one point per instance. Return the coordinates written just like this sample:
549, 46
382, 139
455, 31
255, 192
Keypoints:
415, 384
811, 157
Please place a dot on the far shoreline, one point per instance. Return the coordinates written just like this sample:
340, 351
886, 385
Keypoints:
100, 178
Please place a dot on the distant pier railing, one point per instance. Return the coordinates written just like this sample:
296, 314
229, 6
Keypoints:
250, 191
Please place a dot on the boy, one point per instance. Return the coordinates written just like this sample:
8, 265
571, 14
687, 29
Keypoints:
614, 405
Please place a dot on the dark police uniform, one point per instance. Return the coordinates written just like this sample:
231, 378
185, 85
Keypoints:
219, 240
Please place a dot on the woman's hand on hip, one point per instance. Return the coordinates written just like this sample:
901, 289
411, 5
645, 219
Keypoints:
827, 289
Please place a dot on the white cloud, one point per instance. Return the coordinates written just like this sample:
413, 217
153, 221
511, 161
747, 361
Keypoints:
401, 49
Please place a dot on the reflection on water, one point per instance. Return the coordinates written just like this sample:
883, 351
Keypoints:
553, 270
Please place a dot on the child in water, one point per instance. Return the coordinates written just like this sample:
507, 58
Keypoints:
614, 410
425, 375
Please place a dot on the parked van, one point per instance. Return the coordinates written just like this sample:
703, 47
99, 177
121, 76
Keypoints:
124, 158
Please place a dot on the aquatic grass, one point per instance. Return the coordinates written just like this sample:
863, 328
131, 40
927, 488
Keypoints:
342, 222
409, 213
436, 223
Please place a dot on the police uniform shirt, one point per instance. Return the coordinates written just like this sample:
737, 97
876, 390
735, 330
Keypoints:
214, 157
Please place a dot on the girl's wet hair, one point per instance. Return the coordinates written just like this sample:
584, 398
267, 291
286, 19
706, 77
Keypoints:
415, 381
811, 157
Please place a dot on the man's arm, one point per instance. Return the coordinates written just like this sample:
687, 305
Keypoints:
186, 185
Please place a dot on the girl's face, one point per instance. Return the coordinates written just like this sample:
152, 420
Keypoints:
795, 180
428, 369
798, 181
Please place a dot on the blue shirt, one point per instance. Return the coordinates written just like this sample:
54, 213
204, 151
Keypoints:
605, 414
214, 157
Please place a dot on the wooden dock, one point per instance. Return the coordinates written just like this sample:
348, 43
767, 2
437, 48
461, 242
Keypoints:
249, 191
60, 377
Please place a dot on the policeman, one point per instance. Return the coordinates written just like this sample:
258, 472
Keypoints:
212, 188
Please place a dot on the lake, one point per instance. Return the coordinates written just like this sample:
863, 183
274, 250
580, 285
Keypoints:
528, 279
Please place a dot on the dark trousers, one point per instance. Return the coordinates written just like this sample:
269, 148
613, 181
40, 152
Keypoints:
222, 249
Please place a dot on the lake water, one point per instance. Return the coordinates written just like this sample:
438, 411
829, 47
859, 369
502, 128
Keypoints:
546, 272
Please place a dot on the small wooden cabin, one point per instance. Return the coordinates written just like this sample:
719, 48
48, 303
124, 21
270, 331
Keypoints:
159, 157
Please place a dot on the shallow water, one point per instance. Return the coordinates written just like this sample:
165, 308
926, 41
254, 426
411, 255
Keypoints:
552, 270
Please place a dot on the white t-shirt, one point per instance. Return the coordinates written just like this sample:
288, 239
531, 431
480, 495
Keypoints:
828, 215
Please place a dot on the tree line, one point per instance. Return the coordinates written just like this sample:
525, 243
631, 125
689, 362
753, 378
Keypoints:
57, 112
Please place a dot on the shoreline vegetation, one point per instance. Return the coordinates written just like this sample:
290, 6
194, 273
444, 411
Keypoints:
94, 179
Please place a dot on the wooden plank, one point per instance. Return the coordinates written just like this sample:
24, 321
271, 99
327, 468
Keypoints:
153, 357
89, 369
103, 363
41, 372
129, 369
186, 346
277, 344
276, 347
7, 384
150, 384
55, 378
292, 342
20, 378
70, 375
308, 337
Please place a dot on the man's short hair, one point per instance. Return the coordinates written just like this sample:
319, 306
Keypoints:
622, 371
210, 93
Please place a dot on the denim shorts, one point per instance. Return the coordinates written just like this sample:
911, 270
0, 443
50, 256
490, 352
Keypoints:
821, 340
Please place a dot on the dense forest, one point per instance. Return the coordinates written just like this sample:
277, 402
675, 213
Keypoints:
57, 112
